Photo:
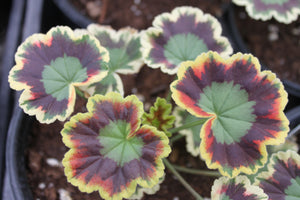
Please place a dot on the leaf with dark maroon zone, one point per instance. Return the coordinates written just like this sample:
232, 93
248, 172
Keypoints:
110, 151
123, 47
159, 116
289, 144
244, 107
50, 66
284, 11
192, 134
282, 179
182, 35
238, 188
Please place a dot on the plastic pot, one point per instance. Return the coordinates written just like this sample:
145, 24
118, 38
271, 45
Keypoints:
14, 10
17, 187
240, 46
31, 24
72, 13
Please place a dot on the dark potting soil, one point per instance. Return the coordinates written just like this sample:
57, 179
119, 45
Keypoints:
276, 45
139, 14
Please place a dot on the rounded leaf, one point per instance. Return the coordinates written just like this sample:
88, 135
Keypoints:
182, 35
109, 151
284, 11
50, 66
244, 107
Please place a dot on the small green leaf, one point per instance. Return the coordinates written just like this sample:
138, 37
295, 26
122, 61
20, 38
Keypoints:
159, 116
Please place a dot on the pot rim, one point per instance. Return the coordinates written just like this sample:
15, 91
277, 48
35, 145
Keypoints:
72, 13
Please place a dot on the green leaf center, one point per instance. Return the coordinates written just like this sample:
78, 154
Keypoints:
233, 111
183, 47
279, 2
225, 197
61, 74
118, 59
293, 191
117, 146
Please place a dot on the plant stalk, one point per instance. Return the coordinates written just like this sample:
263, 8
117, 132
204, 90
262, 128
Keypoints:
181, 180
175, 138
197, 172
103, 11
80, 93
168, 98
188, 125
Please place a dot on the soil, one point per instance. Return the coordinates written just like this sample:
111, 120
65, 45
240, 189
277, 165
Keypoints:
46, 150
277, 45
139, 14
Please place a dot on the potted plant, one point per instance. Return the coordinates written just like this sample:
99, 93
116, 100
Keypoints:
117, 148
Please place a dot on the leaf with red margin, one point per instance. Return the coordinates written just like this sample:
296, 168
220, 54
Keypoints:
282, 179
284, 11
109, 151
289, 144
238, 188
50, 66
244, 107
159, 116
182, 35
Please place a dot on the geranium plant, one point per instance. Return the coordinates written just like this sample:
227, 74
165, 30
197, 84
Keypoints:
227, 107
284, 11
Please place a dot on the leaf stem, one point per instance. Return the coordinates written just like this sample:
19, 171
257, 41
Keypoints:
103, 11
197, 172
80, 93
188, 125
181, 180
168, 98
